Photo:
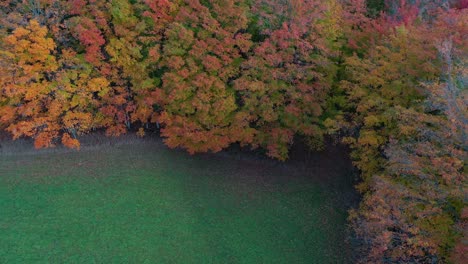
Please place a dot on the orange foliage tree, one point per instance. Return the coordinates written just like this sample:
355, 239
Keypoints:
41, 95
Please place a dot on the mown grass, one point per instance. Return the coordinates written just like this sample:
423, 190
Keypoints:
143, 203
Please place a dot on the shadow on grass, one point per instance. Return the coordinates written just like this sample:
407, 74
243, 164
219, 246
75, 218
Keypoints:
133, 200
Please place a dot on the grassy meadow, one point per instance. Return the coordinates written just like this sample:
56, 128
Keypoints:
139, 202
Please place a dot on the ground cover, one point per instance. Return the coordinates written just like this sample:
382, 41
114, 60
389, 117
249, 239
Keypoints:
143, 203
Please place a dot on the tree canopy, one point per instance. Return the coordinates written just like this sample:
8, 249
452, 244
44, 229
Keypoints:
387, 77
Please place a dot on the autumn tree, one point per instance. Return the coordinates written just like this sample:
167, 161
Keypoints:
386, 76
383, 71
43, 96
405, 121
284, 82
121, 45
201, 55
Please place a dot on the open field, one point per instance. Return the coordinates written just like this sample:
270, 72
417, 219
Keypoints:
135, 201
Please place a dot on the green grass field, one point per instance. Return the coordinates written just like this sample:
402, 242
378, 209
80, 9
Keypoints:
143, 203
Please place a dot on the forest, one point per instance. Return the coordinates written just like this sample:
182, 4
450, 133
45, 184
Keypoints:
386, 77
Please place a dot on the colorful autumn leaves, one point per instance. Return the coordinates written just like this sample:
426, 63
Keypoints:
221, 87
215, 72
284, 83
408, 149
201, 56
206, 70
42, 94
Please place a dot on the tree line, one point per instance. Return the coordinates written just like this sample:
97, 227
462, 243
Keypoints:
386, 77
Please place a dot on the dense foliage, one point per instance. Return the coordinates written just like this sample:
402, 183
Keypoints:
409, 117
386, 77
